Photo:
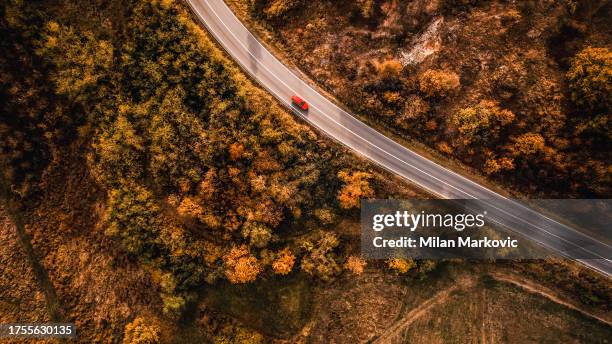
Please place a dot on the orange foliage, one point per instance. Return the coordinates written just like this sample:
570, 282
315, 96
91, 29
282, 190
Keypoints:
388, 68
356, 186
529, 143
241, 266
401, 265
438, 83
236, 150
355, 265
284, 263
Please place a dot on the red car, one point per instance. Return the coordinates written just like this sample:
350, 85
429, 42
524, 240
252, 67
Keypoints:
300, 103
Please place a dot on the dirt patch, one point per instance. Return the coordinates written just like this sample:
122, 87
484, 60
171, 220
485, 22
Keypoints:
495, 312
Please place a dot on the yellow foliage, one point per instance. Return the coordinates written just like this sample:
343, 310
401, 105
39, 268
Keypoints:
366, 7
284, 263
590, 78
481, 120
356, 186
141, 331
401, 265
279, 7
191, 208
438, 83
415, 107
528, 144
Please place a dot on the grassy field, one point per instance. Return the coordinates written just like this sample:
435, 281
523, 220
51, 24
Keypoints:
495, 312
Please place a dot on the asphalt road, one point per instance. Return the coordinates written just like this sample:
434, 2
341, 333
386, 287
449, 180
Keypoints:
281, 82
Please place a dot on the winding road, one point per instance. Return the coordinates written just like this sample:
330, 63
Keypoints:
336, 123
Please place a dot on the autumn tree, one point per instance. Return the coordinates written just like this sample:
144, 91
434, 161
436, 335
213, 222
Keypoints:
439, 83
118, 151
388, 68
82, 61
415, 107
258, 234
240, 265
141, 331
133, 218
356, 186
528, 144
284, 262
480, 123
366, 7
319, 259
590, 78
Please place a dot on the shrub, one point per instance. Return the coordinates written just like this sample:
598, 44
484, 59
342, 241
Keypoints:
438, 83
388, 68
258, 233
325, 215
401, 265
173, 305
415, 107
366, 7
133, 219
590, 78
492, 165
355, 265
278, 8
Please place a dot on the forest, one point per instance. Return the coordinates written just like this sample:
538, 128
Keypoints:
165, 153
519, 93
146, 179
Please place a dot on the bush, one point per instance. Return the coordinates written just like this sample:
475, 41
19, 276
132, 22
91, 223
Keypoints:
438, 83
355, 265
133, 219
415, 107
278, 8
590, 78
388, 68
258, 234
366, 7
401, 265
